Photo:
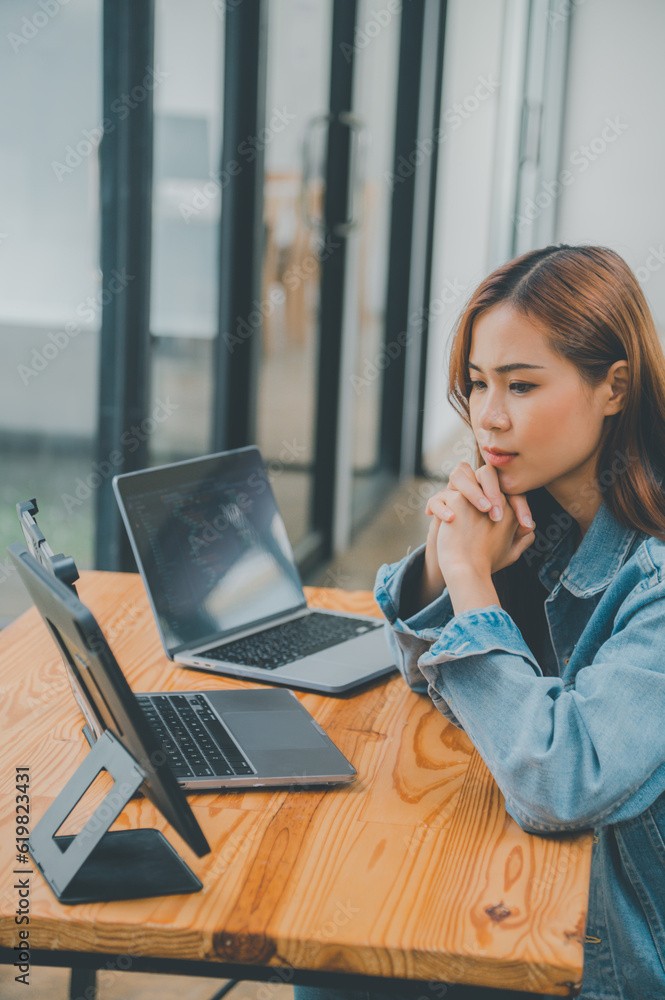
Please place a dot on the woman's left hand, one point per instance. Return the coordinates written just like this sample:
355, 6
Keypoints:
471, 539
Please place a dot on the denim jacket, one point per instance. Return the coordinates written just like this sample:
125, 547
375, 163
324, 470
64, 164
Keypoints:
576, 737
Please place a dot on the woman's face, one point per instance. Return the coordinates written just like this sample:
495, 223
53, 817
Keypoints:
545, 414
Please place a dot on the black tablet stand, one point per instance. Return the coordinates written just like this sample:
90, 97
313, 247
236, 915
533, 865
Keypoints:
97, 865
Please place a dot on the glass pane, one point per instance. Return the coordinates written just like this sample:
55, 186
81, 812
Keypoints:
297, 97
374, 101
187, 189
50, 284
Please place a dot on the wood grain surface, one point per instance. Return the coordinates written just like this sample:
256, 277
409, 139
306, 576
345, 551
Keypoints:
415, 870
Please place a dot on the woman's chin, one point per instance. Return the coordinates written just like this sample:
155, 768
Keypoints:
512, 483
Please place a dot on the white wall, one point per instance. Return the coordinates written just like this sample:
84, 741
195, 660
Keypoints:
464, 185
617, 72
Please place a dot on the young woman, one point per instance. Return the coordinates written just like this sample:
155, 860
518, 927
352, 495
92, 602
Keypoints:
544, 641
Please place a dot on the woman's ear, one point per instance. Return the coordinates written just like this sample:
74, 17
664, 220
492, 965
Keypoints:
617, 385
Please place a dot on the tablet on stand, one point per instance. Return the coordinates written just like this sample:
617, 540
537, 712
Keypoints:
97, 864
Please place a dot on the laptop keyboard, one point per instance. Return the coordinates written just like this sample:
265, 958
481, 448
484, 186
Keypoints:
192, 748
290, 641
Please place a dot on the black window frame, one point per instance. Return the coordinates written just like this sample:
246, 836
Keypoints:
126, 155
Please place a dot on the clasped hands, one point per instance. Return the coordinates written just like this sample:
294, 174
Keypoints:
468, 534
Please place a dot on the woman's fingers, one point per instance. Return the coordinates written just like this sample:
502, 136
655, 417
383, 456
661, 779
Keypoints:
520, 505
437, 506
488, 479
463, 479
481, 488
523, 543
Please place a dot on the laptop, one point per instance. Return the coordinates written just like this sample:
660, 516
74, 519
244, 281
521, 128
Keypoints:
223, 584
210, 739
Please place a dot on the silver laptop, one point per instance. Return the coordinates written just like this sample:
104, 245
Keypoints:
254, 737
209, 739
220, 574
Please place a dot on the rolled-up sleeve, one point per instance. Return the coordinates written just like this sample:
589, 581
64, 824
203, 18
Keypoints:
565, 757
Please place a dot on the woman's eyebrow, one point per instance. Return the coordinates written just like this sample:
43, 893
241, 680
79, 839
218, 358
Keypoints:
502, 369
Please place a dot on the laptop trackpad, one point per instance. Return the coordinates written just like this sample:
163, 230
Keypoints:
273, 730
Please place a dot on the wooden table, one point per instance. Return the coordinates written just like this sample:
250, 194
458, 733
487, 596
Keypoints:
415, 871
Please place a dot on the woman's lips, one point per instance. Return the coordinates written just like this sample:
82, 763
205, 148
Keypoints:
498, 460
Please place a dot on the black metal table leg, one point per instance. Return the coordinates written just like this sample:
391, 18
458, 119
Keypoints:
83, 984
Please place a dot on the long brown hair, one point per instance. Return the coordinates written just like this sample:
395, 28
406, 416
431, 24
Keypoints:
593, 313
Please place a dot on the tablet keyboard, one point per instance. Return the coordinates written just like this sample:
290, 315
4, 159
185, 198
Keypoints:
194, 740
290, 641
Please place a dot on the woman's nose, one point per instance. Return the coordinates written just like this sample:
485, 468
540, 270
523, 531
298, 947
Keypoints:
494, 416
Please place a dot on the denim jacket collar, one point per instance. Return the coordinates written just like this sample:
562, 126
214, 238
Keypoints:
599, 556
591, 567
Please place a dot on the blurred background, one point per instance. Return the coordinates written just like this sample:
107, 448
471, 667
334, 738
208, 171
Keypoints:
227, 222
256, 221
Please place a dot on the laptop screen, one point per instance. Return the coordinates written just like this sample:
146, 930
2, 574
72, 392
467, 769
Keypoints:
211, 546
